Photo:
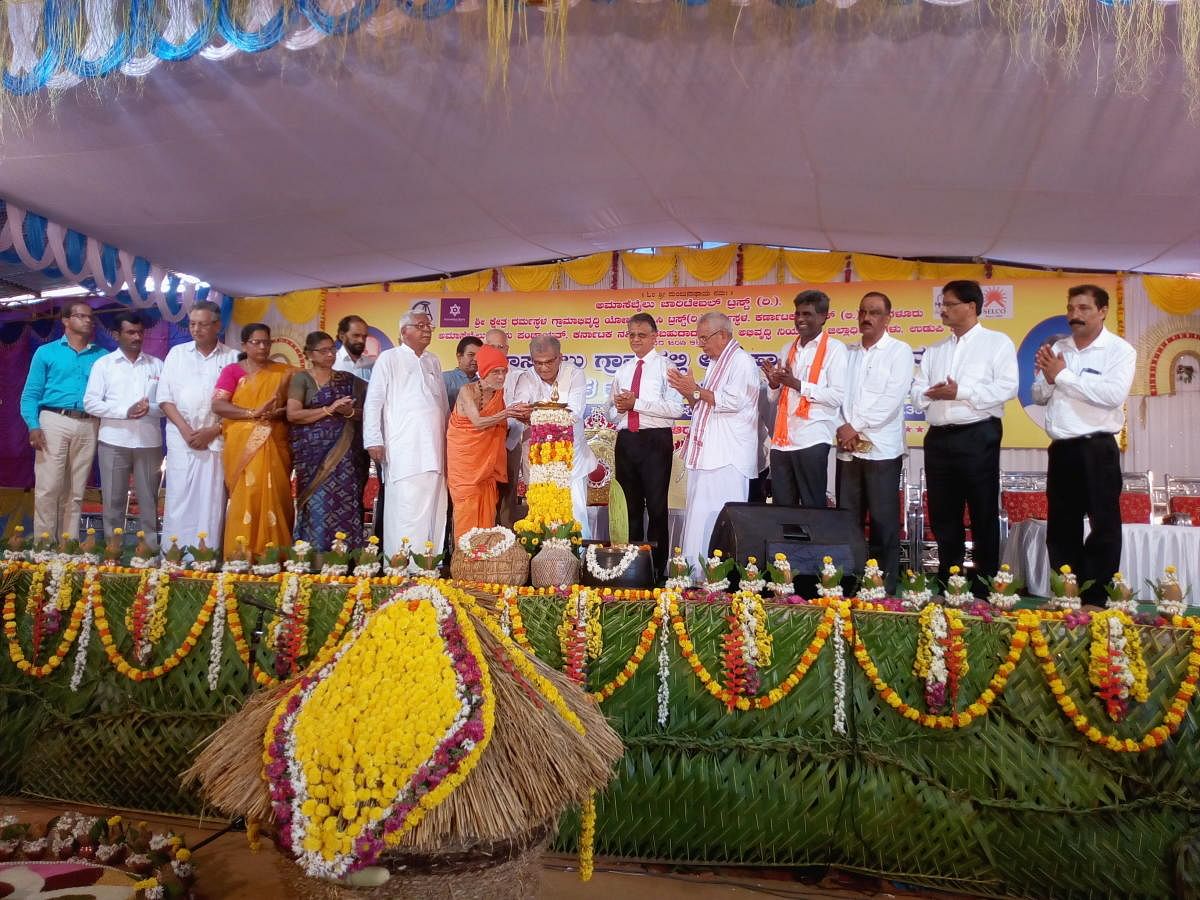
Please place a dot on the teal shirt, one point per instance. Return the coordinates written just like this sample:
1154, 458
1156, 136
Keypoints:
58, 376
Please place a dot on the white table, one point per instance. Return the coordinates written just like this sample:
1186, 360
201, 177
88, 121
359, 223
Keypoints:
1146, 550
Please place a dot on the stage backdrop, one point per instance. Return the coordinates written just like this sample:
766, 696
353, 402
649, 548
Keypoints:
591, 325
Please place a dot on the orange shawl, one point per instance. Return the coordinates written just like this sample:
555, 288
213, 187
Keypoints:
475, 461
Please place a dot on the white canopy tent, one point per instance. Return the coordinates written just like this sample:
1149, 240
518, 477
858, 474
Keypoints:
291, 169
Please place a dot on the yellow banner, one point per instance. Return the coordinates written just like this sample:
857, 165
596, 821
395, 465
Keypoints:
591, 325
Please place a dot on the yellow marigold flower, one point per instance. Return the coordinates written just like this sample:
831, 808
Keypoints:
1065, 569
873, 563
954, 570
89, 531
1170, 570
827, 560
114, 821
183, 854
1004, 567
717, 553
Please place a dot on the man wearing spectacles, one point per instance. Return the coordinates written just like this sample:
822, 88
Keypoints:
404, 432
195, 476
962, 385
722, 449
61, 433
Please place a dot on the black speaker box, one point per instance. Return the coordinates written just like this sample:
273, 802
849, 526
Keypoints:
804, 536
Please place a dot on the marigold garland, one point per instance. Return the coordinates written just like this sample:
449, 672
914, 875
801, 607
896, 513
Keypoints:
1116, 667
17, 655
1156, 736
975, 710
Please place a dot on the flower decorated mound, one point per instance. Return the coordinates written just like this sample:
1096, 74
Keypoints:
551, 457
427, 730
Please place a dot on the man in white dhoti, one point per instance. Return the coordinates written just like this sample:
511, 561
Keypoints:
195, 500
722, 449
536, 386
404, 431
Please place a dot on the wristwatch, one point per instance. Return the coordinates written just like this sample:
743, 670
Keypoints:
696, 395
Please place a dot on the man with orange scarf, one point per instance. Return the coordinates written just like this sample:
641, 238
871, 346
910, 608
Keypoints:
476, 457
810, 382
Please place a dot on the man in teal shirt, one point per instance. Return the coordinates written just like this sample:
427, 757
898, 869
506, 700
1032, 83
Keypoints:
61, 433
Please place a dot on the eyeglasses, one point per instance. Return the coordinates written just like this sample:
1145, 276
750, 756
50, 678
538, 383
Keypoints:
259, 342
424, 326
946, 303
705, 338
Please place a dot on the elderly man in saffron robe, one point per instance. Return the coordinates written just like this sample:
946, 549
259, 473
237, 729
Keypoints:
404, 431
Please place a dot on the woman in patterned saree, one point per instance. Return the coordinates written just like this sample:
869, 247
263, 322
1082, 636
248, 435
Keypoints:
251, 398
324, 408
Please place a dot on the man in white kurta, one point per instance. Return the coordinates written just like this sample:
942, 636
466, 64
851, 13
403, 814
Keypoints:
722, 450
404, 431
536, 385
195, 478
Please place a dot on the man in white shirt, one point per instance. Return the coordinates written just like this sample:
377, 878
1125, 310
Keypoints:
122, 392
1084, 380
352, 356
536, 385
404, 431
962, 385
511, 507
809, 382
644, 406
722, 453
870, 437
195, 477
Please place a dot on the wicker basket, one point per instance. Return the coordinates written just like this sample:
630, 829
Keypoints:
510, 870
554, 567
510, 567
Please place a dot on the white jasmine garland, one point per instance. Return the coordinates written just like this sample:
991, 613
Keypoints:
216, 641
85, 637
615, 572
466, 543
1002, 601
839, 675
287, 606
557, 473
235, 566
956, 590
142, 562
916, 600
664, 661
365, 570
204, 565
395, 571
336, 569
265, 569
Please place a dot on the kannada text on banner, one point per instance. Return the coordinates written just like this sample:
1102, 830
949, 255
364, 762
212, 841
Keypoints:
591, 325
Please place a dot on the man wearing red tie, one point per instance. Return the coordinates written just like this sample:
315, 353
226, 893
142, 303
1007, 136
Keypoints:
644, 406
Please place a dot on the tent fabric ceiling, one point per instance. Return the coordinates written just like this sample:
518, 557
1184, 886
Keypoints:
667, 127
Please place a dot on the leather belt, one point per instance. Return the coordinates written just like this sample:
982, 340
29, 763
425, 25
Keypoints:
70, 413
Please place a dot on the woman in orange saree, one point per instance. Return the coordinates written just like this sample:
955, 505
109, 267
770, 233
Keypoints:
476, 458
251, 398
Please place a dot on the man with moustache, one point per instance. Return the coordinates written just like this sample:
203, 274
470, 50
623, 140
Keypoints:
61, 433
404, 432
352, 357
122, 393
809, 382
871, 434
466, 371
1083, 381
962, 385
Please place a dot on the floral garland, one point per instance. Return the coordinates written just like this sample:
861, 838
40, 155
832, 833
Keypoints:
841, 624
551, 458
30, 666
146, 618
1156, 736
976, 710
318, 749
289, 636
662, 612
714, 687
747, 646
614, 572
218, 594
467, 545
85, 629
1116, 667
941, 659
580, 635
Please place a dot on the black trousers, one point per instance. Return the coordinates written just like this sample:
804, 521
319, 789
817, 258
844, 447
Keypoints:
643, 469
1083, 478
800, 477
872, 486
962, 471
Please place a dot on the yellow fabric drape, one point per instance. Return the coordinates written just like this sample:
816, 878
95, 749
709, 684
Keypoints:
815, 267
1177, 296
589, 269
883, 268
708, 265
758, 262
530, 278
363, 288
249, 309
650, 268
300, 306
471, 283
950, 271
1009, 273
